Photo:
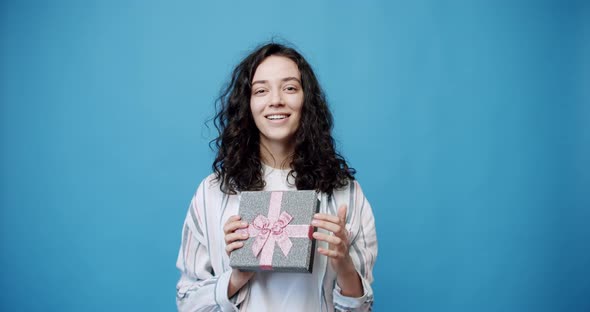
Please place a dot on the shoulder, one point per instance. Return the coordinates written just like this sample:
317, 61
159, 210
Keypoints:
351, 195
208, 202
209, 184
209, 189
351, 188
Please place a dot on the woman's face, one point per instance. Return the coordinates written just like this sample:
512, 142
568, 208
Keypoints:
276, 100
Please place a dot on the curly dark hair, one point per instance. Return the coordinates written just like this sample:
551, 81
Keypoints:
315, 165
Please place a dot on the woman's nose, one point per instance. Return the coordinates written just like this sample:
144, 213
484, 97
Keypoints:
276, 99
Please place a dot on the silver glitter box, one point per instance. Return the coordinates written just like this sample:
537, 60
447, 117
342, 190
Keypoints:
301, 206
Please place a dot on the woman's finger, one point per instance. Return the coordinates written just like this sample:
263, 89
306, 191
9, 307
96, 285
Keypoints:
232, 237
332, 239
342, 213
327, 217
230, 227
229, 221
233, 246
233, 218
332, 253
326, 225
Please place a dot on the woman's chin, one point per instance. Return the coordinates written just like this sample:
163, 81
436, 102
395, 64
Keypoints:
277, 139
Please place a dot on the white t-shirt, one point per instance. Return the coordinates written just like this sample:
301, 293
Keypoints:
278, 291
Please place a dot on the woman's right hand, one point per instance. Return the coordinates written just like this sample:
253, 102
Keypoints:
233, 241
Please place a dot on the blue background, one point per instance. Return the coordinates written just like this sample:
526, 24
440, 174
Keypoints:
468, 123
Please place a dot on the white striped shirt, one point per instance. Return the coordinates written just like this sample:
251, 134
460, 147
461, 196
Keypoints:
205, 269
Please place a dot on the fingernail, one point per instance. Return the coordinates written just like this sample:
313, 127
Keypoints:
315, 222
244, 223
244, 234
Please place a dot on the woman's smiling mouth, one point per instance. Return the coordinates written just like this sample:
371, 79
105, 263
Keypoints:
277, 116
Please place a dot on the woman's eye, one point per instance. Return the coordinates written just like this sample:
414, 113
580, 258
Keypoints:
259, 91
291, 89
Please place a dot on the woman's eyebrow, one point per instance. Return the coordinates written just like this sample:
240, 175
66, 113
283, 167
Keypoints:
283, 80
291, 78
259, 81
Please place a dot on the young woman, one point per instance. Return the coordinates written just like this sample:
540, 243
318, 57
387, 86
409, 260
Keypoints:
275, 134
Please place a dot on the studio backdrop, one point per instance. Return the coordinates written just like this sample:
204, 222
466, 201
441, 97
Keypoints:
468, 123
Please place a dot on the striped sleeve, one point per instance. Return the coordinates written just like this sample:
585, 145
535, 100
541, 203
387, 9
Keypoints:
199, 289
363, 249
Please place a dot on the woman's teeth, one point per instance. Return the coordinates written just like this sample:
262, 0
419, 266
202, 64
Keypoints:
276, 117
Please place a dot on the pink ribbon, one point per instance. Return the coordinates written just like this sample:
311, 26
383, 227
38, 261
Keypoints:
274, 228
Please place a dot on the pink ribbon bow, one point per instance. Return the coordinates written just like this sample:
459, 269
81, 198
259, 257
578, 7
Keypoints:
274, 228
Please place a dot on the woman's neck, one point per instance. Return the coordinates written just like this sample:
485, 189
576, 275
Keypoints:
276, 155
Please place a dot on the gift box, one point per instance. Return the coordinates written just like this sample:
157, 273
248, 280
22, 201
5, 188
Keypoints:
280, 231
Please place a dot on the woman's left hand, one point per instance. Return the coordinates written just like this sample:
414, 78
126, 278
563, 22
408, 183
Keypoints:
346, 274
337, 240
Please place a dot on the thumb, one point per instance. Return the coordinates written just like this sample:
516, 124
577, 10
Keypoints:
342, 213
